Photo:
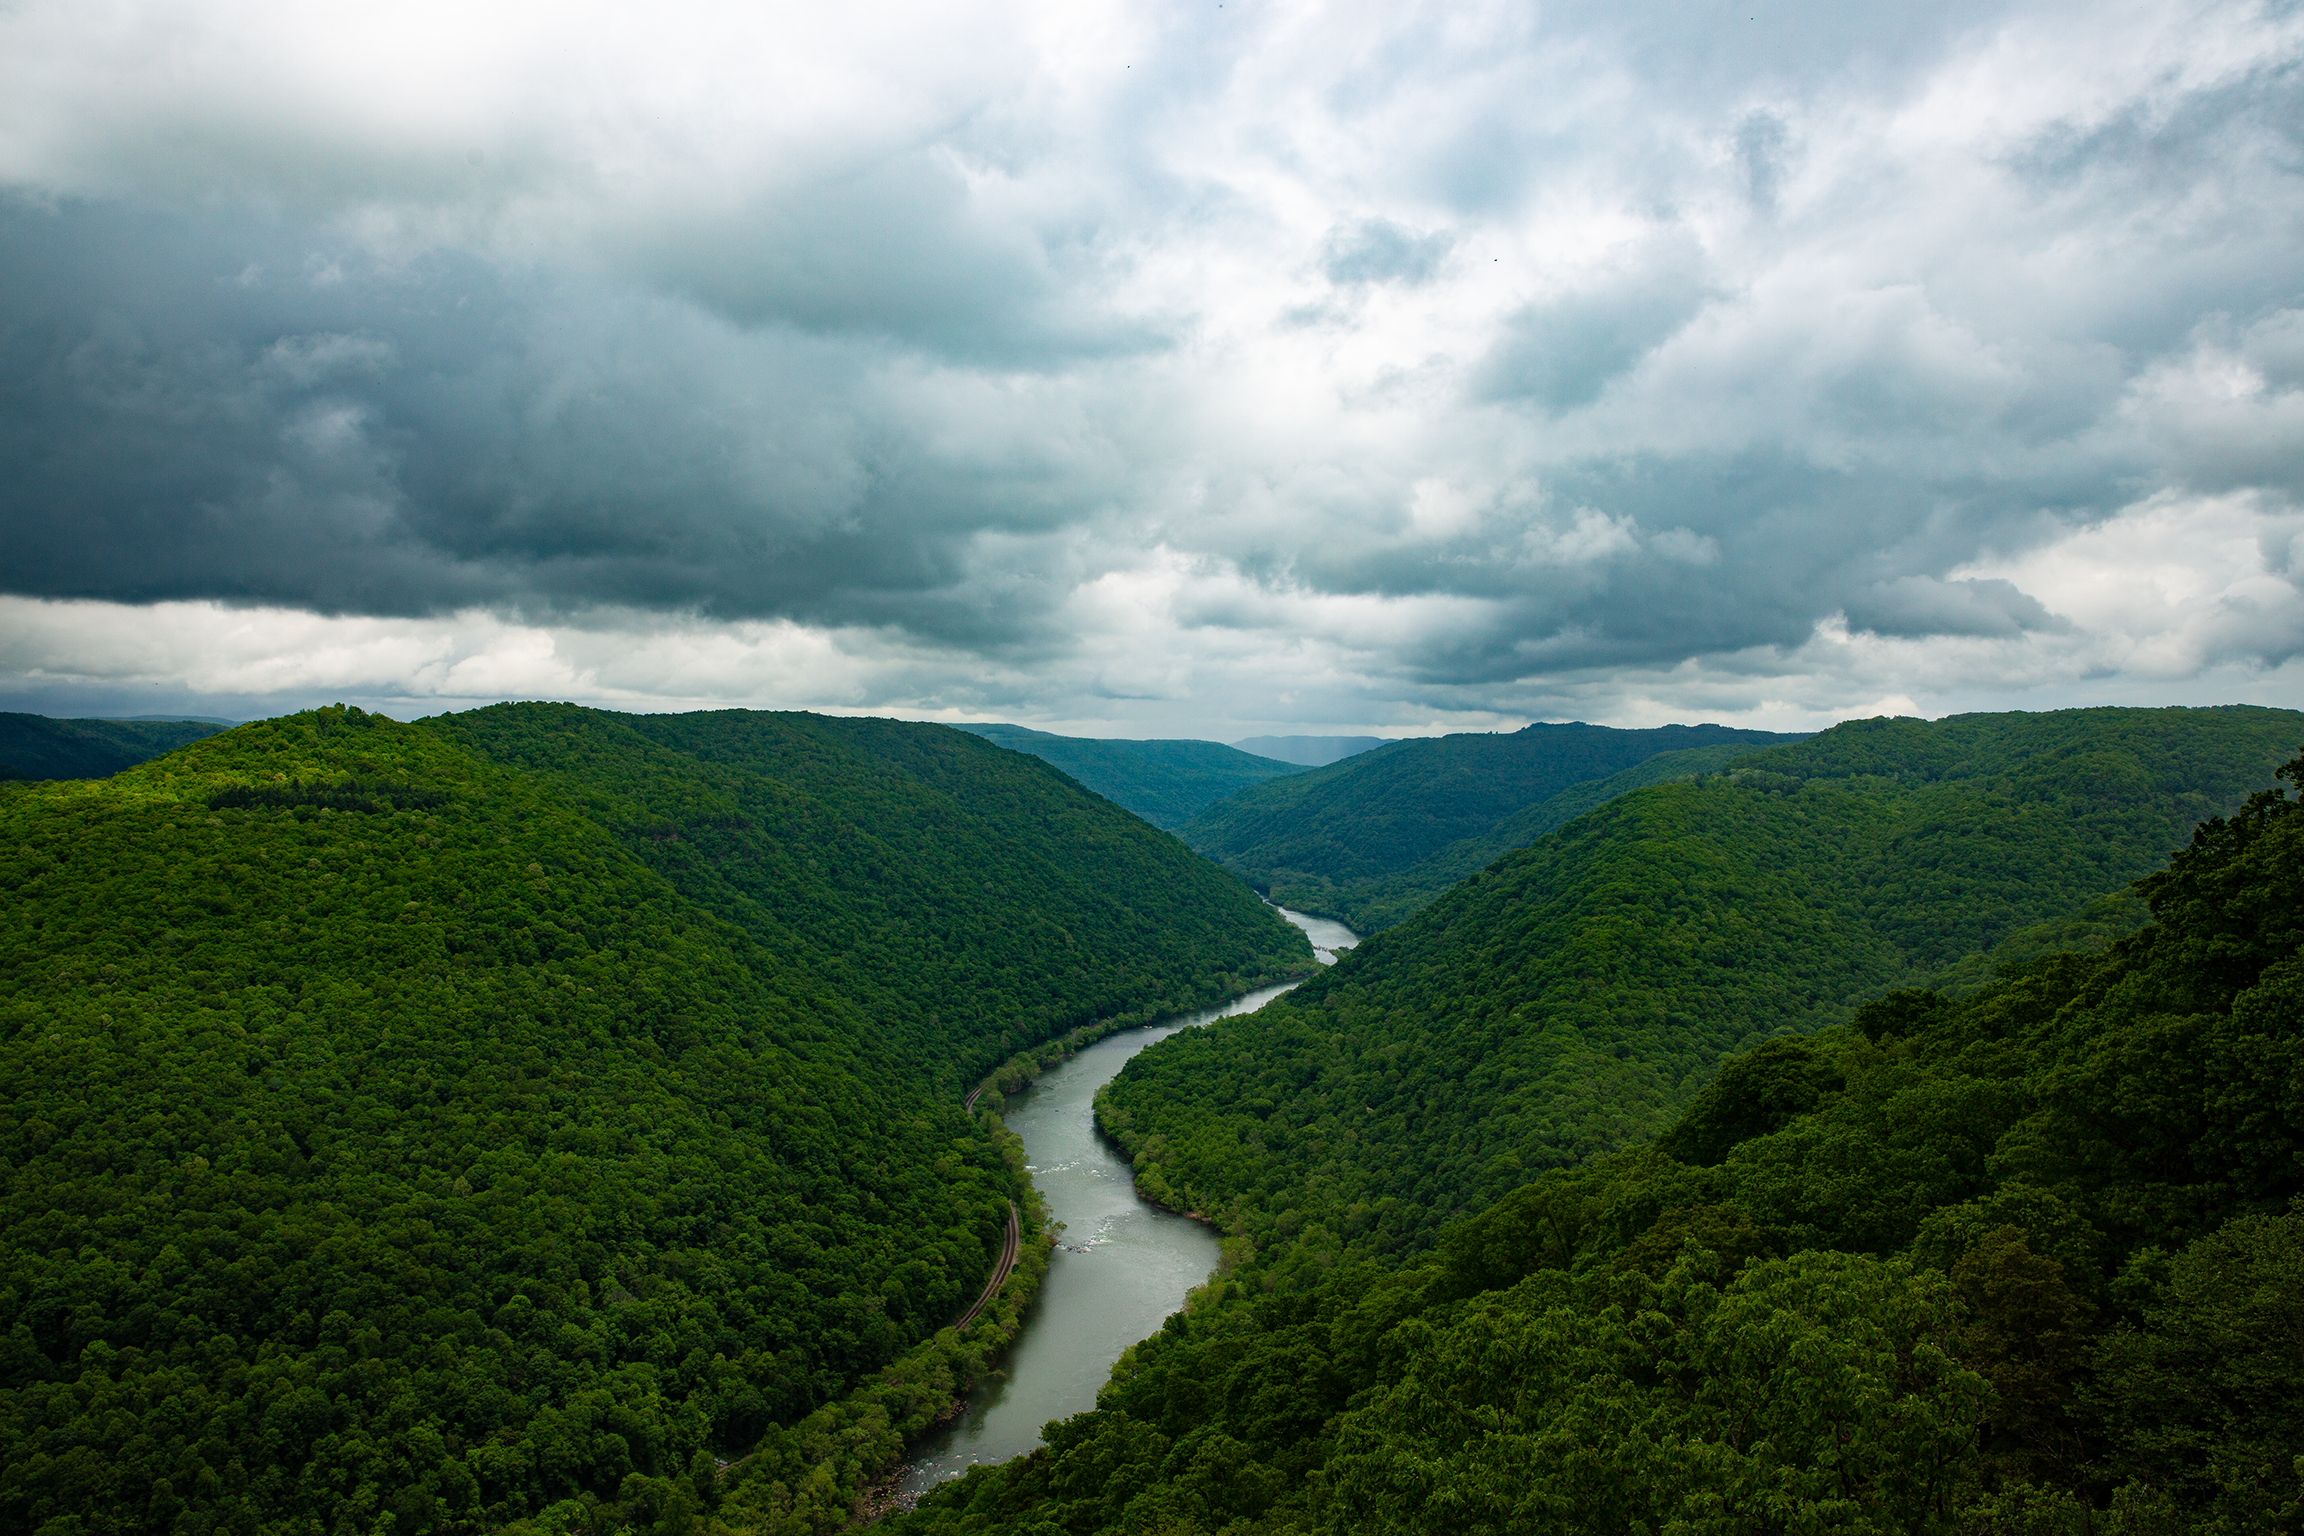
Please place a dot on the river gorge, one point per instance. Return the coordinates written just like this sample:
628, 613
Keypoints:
1121, 1266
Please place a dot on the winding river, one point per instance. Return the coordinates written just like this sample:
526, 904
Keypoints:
1121, 1264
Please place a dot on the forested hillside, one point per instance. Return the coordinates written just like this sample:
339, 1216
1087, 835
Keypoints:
971, 899
36, 747
1165, 782
1310, 751
1567, 1001
1368, 906
388, 1147
2032, 1262
1328, 840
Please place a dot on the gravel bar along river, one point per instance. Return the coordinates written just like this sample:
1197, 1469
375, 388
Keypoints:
1121, 1263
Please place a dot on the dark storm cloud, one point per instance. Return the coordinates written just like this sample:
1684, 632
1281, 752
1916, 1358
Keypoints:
1561, 352
193, 412
1914, 607
895, 247
1484, 344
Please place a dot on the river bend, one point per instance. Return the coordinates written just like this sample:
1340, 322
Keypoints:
1121, 1264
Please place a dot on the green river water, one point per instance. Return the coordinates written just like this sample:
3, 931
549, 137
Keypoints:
1121, 1264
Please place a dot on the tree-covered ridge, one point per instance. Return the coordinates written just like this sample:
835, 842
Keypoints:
1379, 902
416, 1168
1324, 833
973, 901
36, 747
1570, 999
1309, 751
1165, 782
2029, 1262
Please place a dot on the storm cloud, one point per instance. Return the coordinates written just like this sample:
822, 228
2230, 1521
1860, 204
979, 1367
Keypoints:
1139, 368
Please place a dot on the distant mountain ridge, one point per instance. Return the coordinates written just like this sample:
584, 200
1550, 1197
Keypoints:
38, 747
1378, 903
1343, 840
1311, 751
1165, 782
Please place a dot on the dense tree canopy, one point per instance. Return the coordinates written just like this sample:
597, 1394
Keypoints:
1571, 998
2027, 1261
1378, 902
974, 901
1343, 840
36, 747
1165, 782
388, 1147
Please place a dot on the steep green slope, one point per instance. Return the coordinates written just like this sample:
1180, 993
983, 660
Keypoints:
36, 747
2032, 1262
387, 1145
383, 1141
1569, 1000
972, 900
1376, 904
1165, 782
1310, 840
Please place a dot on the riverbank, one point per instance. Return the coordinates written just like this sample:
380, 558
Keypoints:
847, 1463
1120, 1267
1021, 1070
1329, 938
817, 1475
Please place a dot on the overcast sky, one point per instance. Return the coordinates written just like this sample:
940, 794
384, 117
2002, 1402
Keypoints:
1177, 369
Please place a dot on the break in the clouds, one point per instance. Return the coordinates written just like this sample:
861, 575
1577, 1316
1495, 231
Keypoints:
1176, 368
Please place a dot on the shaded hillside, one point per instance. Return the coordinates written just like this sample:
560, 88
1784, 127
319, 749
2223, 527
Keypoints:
1370, 905
1165, 782
1311, 841
1566, 1002
2032, 1262
1310, 751
36, 747
975, 900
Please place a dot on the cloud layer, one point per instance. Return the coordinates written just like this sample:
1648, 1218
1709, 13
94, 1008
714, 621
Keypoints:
1154, 369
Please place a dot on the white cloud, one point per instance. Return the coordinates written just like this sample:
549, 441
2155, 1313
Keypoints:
2175, 586
1153, 368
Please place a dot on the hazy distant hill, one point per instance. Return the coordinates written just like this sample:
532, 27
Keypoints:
1310, 751
1165, 782
1380, 902
37, 747
1341, 840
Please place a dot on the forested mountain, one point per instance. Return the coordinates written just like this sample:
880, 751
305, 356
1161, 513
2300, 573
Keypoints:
1339, 840
974, 900
1165, 782
1568, 1000
1381, 901
2032, 1262
388, 1146
1310, 751
36, 747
